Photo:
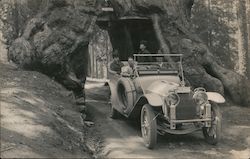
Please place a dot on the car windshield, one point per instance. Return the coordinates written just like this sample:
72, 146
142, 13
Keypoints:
159, 62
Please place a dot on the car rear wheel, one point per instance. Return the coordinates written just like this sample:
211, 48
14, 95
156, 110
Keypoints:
148, 126
213, 134
126, 94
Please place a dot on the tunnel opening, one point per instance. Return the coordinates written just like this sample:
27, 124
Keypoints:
122, 34
127, 32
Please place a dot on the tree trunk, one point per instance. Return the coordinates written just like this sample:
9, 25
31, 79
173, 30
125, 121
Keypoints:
248, 30
63, 31
243, 37
209, 31
161, 40
158, 31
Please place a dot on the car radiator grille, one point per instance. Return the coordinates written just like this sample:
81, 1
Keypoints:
186, 108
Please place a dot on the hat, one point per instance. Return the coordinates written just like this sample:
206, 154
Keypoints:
144, 42
115, 53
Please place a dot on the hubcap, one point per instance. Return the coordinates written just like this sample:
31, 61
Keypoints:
145, 125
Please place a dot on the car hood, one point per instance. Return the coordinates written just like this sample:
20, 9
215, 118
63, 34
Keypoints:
146, 81
164, 87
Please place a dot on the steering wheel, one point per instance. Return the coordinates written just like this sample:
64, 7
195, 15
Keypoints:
156, 66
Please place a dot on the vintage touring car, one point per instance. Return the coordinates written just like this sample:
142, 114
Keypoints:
156, 93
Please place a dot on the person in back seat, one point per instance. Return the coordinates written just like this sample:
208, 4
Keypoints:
116, 64
144, 50
128, 70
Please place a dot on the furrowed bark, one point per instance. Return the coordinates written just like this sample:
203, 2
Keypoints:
159, 35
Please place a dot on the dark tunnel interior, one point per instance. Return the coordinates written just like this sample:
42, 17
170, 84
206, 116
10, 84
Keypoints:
126, 34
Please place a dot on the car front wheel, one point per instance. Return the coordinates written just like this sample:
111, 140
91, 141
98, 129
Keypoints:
148, 126
213, 134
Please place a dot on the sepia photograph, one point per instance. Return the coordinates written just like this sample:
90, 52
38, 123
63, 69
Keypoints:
165, 79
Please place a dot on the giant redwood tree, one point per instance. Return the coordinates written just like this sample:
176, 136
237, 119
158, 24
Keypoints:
55, 42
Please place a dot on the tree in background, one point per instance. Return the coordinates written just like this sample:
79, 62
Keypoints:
14, 15
248, 30
242, 36
224, 26
212, 21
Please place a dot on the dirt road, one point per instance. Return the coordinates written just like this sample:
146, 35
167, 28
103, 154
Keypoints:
122, 138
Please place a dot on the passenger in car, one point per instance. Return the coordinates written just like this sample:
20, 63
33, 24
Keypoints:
128, 70
143, 50
116, 64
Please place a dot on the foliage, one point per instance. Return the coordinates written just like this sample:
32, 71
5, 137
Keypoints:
213, 22
14, 15
6, 24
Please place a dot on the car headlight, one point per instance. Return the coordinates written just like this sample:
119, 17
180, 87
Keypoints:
200, 97
172, 99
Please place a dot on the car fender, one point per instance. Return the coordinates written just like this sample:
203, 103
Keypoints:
215, 97
154, 99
